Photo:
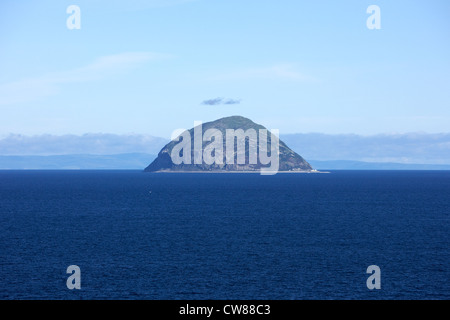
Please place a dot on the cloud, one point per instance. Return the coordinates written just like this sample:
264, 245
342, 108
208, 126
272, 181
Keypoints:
31, 89
232, 101
219, 101
90, 143
401, 148
213, 102
106, 66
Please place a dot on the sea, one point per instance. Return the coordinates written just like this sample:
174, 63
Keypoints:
159, 236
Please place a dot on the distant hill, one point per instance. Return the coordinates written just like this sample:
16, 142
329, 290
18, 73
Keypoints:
361, 165
77, 162
137, 161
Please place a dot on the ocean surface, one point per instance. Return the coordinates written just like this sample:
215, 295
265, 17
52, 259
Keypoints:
224, 236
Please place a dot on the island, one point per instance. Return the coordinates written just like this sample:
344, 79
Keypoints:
230, 144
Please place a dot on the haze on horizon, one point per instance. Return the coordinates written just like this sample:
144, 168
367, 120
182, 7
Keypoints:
150, 67
413, 148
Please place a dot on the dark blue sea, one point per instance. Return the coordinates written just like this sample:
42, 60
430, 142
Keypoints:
224, 236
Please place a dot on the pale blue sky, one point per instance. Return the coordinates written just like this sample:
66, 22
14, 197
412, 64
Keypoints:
297, 66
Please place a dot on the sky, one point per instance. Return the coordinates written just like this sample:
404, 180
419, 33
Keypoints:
150, 67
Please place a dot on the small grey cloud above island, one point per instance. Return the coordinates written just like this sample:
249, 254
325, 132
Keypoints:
220, 101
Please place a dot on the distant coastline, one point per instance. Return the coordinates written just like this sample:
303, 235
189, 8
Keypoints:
137, 161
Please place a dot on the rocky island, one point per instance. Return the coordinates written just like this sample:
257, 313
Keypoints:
173, 159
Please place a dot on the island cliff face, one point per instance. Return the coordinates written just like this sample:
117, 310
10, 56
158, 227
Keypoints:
288, 160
